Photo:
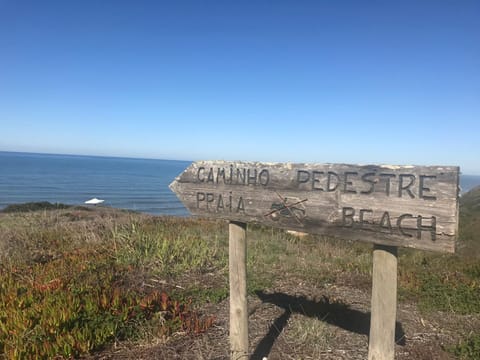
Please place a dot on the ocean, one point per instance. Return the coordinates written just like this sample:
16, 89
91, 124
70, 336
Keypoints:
134, 184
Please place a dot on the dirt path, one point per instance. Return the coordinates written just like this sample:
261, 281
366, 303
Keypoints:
299, 321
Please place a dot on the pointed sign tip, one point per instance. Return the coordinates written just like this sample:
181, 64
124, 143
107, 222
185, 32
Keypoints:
173, 185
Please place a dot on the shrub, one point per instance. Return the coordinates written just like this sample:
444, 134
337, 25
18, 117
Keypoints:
468, 349
77, 303
34, 206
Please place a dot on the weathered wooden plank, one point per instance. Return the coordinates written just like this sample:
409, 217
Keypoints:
237, 264
381, 345
408, 206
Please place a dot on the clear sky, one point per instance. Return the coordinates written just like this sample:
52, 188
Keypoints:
302, 81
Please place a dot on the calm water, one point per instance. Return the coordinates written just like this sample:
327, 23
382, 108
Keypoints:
135, 184
468, 182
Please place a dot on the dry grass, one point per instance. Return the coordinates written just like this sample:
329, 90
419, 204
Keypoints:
312, 333
321, 285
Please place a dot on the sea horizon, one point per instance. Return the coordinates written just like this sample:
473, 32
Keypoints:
131, 183
190, 160
137, 184
91, 155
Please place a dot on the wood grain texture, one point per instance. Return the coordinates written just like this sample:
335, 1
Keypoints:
408, 206
237, 266
381, 345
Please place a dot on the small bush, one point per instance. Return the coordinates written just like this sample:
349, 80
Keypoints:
34, 206
467, 349
438, 293
77, 303
441, 283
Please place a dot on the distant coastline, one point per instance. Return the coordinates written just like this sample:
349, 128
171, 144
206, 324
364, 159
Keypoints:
468, 182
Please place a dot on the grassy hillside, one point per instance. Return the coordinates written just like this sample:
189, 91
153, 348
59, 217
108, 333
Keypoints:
471, 199
470, 222
75, 281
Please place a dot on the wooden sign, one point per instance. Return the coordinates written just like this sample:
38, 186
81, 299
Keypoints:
408, 206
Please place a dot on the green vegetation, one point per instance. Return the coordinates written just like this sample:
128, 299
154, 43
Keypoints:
65, 294
470, 223
34, 206
467, 349
449, 283
74, 280
77, 303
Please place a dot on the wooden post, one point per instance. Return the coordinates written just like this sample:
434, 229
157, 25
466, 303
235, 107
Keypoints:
384, 303
237, 268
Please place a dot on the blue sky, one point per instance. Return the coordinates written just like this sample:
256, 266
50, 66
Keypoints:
302, 81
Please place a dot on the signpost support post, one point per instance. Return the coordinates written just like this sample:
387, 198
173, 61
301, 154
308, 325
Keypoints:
381, 344
237, 269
